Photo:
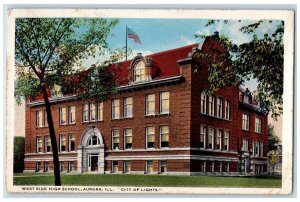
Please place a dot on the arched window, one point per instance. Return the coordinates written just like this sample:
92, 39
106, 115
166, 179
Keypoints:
94, 140
139, 71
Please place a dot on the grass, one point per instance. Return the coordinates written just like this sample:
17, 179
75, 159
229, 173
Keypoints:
149, 180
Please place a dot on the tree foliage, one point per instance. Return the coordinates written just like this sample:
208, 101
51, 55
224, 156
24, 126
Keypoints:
49, 52
273, 159
261, 58
19, 154
273, 140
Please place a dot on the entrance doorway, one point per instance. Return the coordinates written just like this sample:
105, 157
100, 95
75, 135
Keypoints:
93, 162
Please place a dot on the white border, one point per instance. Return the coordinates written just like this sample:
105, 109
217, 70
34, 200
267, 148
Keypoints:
287, 16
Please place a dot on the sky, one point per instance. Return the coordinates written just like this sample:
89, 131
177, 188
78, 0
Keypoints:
163, 34
158, 35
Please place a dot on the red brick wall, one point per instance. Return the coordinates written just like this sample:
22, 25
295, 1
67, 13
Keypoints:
184, 122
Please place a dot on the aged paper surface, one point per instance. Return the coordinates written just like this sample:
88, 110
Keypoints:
287, 125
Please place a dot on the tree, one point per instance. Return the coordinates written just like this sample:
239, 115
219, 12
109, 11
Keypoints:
273, 159
46, 52
19, 149
273, 140
261, 58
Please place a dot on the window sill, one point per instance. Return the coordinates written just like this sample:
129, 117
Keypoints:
42, 127
154, 115
123, 118
245, 130
259, 133
88, 122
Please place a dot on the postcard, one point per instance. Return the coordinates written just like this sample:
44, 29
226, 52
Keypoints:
150, 101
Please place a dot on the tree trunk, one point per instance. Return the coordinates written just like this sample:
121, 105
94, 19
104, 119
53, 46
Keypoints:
53, 139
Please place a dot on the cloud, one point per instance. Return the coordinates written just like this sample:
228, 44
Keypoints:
230, 29
187, 41
135, 52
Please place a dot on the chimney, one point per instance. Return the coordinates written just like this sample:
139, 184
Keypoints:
216, 33
139, 54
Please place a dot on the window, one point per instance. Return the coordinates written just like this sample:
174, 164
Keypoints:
220, 107
45, 119
47, 144
71, 142
149, 166
227, 168
62, 116
100, 111
85, 112
115, 105
211, 105
203, 103
202, 136
115, 139
211, 133
94, 140
150, 104
258, 148
62, 143
164, 102
139, 71
219, 139
71, 166
72, 114
127, 166
226, 140
261, 154
245, 125
39, 115
220, 167
128, 138
203, 166
39, 144
162, 166
128, 107
164, 136
61, 166
258, 125
227, 109
211, 167
114, 167
37, 166
92, 112
245, 145
46, 167
150, 137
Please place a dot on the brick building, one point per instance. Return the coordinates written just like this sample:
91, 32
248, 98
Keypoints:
159, 122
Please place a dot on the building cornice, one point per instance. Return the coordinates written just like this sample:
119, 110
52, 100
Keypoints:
252, 107
133, 86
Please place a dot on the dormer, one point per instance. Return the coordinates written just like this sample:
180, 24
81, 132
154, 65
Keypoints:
140, 69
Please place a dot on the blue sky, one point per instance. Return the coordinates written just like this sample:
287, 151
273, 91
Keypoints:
162, 34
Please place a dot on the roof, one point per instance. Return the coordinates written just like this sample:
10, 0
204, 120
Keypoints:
165, 64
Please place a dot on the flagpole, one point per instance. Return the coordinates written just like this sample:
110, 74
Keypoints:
126, 43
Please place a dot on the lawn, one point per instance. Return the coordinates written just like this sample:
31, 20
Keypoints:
150, 180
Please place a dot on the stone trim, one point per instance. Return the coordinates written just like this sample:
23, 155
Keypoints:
172, 149
173, 157
132, 86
